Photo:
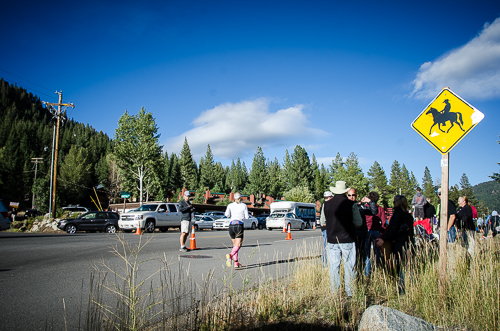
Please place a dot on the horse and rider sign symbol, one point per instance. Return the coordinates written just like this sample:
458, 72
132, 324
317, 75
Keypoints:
446, 120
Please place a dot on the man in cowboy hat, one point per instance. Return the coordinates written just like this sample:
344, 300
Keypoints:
342, 218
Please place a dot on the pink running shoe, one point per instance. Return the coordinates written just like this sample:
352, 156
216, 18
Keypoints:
237, 265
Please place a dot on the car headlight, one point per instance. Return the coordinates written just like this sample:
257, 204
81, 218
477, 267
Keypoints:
138, 217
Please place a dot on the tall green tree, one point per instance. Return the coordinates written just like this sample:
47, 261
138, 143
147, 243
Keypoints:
219, 178
257, 179
300, 173
299, 194
136, 147
275, 187
378, 182
428, 188
409, 183
396, 181
237, 177
354, 176
75, 175
174, 180
188, 168
337, 169
207, 170
286, 170
466, 190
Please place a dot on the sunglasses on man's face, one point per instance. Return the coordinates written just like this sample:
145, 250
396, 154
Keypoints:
352, 195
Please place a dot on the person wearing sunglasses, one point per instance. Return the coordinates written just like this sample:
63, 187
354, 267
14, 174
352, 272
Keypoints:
366, 207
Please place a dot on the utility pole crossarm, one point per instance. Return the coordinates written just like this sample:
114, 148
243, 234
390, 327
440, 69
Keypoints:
55, 147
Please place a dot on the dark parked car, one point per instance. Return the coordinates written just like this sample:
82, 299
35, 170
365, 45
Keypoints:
106, 221
262, 221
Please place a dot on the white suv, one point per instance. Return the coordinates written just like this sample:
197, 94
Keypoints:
223, 223
149, 216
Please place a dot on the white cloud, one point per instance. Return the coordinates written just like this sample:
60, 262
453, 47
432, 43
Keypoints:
236, 129
472, 71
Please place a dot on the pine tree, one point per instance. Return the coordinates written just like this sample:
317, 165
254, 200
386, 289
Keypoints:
207, 170
275, 188
300, 173
187, 168
257, 179
396, 181
409, 183
454, 194
337, 169
354, 176
286, 171
174, 180
378, 182
466, 190
219, 178
428, 188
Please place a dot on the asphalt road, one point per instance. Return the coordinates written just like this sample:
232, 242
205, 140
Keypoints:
45, 278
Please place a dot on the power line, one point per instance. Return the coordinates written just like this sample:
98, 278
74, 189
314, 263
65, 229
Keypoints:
26, 80
29, 88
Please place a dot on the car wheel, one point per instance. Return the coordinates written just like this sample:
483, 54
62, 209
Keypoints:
196, 227
71, 229
253, 226
111, 228
261, 226
149, 227
302, 226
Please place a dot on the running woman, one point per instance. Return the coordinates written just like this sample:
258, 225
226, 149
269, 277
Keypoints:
236, 212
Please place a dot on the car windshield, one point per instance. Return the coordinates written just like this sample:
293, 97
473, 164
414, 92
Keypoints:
147, 208
277, 215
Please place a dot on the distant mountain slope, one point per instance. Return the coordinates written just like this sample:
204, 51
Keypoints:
489, 192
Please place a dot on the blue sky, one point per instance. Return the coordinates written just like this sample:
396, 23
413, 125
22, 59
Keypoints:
333, 77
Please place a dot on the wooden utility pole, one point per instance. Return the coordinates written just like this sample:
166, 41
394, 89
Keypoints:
35, 160
56, 148
443, 226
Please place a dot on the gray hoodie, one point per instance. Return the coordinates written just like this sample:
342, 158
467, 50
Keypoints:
419, 200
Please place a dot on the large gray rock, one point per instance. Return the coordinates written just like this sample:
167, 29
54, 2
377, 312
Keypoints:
380, 318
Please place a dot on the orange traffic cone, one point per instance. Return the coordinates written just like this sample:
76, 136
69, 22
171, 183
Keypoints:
289, 234
192, 244
314, 225
284, 227
138, 230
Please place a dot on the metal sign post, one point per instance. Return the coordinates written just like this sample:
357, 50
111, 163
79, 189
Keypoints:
443, 123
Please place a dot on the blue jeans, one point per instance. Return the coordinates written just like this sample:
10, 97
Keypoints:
371, 240
325, 254
452, 234
336, 253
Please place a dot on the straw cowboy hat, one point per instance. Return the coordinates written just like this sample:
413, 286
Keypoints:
339, 188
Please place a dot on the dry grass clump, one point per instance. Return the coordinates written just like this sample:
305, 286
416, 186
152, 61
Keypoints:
298, 296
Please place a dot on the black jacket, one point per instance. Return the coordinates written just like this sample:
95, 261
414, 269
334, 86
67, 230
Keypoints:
339, 220
400, 229
429, 210
365, 209
464, 218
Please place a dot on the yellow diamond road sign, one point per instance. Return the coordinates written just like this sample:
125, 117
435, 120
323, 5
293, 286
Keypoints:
446, 120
